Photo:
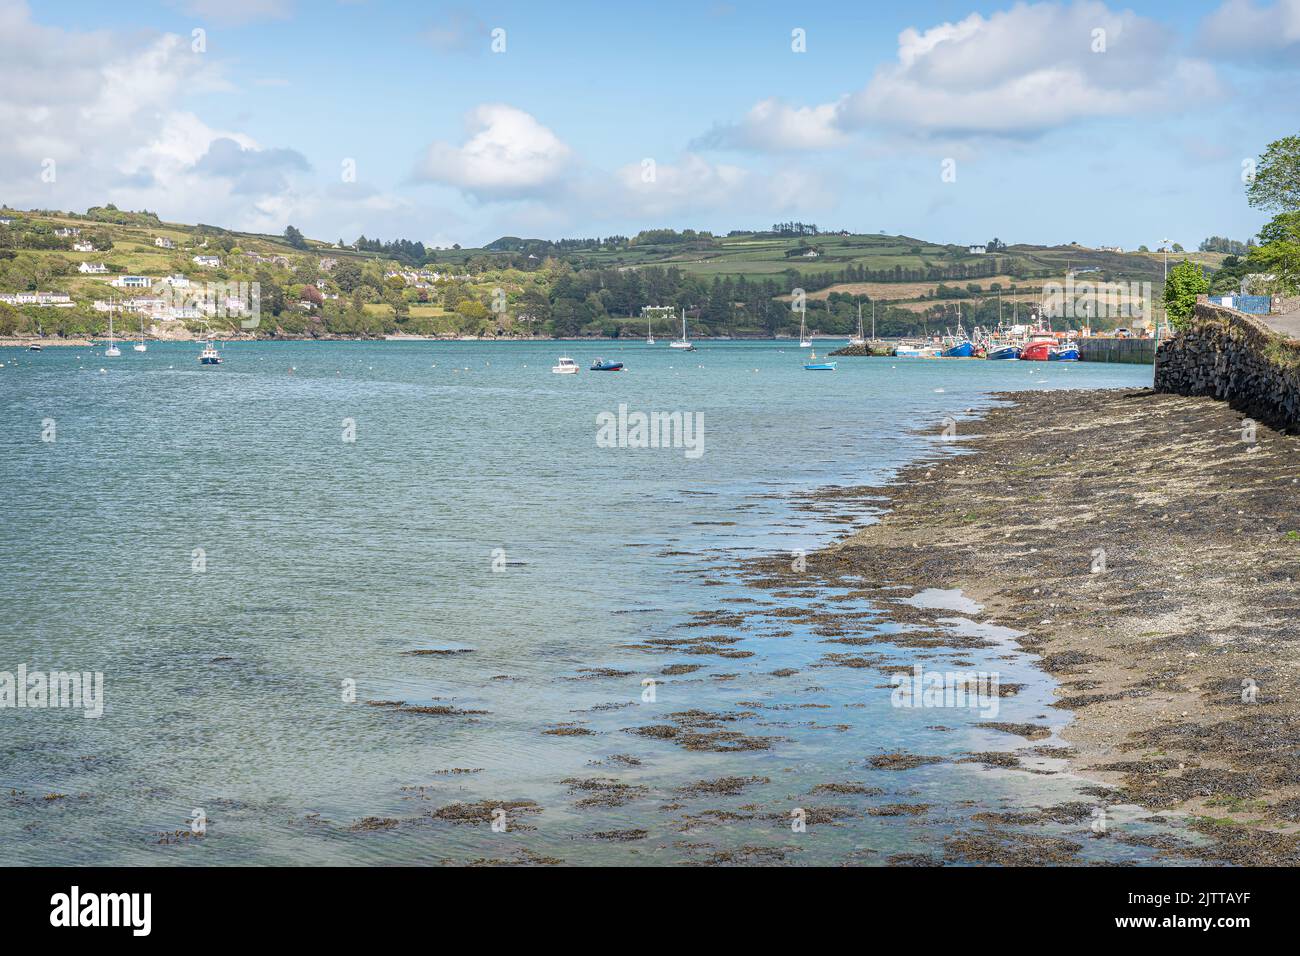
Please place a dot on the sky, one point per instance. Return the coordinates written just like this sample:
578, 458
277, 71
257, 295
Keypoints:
1087, 121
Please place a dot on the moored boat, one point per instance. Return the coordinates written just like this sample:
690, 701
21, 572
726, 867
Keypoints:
209, 355
959, 350
565, 366
812, 365
997, 353
1067, 352
600, 365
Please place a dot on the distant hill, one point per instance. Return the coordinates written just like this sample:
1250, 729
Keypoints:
738, 284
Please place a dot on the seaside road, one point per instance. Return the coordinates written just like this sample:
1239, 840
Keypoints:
1288, 323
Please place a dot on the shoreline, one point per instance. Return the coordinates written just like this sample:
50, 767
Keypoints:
1151, 651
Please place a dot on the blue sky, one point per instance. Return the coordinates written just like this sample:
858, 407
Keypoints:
603, 118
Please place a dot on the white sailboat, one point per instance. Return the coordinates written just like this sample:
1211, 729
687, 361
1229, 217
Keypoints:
804, 341
683, 342
649, 336
858, 339
112, 351
140, 346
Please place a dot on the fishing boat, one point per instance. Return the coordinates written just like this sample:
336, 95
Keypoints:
1038, 347
565, 366
1066, 352
600, 365
683, 342
957, 349
34, 347
1003, 352
140, 346
209, 355
812, 365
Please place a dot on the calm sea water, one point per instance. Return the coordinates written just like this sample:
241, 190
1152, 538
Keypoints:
208, 540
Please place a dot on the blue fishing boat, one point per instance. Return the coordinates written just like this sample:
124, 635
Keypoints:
1004, 352
960, 350
1069, 352
600, 365
812, 365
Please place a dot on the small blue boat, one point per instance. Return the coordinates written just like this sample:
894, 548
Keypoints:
600, 365
960, 350
815, 366
1069, 352
1006, 352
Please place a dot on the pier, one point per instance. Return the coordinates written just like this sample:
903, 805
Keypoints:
1107, 349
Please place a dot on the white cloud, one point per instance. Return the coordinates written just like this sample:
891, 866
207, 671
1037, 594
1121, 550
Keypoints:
508, 154
1243, 29
1029, 69
1016, 72
774, 126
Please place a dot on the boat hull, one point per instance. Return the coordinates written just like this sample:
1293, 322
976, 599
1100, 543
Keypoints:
820, 367
209, 361
964, 350
1036, 352
1004, 354
1070, 354
608, 367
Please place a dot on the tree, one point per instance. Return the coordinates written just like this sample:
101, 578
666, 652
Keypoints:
1279, 253
1276, 185
294, 237
1186, 282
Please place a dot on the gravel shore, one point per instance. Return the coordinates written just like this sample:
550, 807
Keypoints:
1147, 550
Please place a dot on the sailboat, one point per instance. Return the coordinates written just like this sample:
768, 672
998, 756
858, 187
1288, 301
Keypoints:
112, 351
683, 342
140, 346
649, 336
858, 339
804, 341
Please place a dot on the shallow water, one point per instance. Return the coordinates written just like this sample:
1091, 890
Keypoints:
474, 510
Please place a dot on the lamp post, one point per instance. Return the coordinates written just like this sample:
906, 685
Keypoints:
1165, 244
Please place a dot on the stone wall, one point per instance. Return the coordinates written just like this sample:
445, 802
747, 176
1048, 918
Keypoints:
1236, 358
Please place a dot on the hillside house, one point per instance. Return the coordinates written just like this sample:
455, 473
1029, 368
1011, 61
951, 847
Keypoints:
208, 262
82, 245
67, 232
58, 300
162, 242
132, 282
977, 250
92, 268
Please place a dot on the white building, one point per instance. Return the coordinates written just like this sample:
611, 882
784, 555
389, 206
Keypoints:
67, 232
92, 268
976, 250
162, 242
132, 282
208, 262
47, 299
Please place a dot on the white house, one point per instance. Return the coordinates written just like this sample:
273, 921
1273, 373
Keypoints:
976, 250
92, 268
177, 281
162, 242
56, 299
83, 246
5, 221
67, 232
210, 262
811, 254
132, 282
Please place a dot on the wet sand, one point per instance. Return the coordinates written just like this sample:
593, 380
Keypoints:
1148, 553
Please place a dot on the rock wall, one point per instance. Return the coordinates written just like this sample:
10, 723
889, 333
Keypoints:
1234, 357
